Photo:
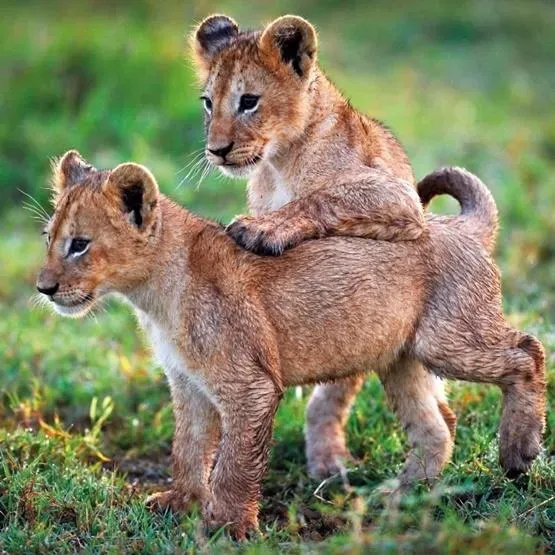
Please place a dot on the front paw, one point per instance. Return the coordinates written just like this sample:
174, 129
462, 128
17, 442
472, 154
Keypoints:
239, 522
328, 460
172, 500
261, 236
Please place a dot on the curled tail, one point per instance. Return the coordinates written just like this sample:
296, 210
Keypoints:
478, 209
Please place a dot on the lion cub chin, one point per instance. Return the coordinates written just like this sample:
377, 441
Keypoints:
232, 330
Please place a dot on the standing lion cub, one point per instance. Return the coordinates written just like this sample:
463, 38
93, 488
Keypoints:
232, 329
316, 167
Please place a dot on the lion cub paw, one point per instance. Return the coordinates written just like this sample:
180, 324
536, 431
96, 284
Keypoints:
517, 459
241, 524
172, 500
328, 462
263, 236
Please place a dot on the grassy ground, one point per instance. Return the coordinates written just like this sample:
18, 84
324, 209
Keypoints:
85, 419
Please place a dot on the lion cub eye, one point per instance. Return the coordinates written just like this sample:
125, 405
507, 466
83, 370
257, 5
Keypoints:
207, 104
46, 235
78, 246
248, 103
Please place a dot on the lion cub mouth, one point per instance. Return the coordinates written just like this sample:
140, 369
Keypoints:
246, 162
74, 309
242, 168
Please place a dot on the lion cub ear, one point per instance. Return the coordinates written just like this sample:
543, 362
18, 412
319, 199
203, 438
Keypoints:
133, 188
294, 39
69, 170
210, 37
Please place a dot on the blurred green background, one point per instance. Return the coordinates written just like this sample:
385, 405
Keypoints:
468, 83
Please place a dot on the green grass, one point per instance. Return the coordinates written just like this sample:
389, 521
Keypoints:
85, 416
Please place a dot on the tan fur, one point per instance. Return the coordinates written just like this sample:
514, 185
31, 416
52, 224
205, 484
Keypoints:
232, 329
303, 140
316, 167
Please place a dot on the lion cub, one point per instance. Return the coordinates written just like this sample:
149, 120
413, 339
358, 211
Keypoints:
232, 329
312, 159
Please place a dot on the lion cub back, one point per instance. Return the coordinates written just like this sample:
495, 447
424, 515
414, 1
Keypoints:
339, 300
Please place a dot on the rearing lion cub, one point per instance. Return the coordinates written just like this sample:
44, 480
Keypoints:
316, 168
233, 329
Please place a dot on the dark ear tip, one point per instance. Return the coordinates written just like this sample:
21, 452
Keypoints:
71, 152
216, 29
129, 174
295, 38
129, 170
290, 23
70, 157
73, 163
70, 169
218, 21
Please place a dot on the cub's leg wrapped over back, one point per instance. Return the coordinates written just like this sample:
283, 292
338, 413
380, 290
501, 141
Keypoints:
378, 206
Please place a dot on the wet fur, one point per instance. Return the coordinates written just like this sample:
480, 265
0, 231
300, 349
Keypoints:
325, 169
233, 330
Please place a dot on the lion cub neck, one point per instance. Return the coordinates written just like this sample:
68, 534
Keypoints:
338, 144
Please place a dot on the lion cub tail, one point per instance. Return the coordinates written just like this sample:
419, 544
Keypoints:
478, 208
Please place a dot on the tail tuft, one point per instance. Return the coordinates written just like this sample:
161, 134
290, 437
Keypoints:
478, 209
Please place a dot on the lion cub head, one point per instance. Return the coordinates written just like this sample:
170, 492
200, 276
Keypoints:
100, 235
255, 88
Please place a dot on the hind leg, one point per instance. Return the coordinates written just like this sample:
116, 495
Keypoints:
510, 359
326, 415
417, 397
523, 417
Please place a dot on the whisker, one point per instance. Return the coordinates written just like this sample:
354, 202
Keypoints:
38, 301
33, 208
194, 170
35, 214
36, 203
100, 308
205, 173
91, 315
194, 156
199, 167
194, 153
39, 219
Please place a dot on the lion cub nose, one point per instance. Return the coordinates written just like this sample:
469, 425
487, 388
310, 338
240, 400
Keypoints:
47, 282
48, 289
223, 151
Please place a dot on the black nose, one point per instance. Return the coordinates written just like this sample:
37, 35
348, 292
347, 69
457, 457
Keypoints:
223, 152
48, 290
